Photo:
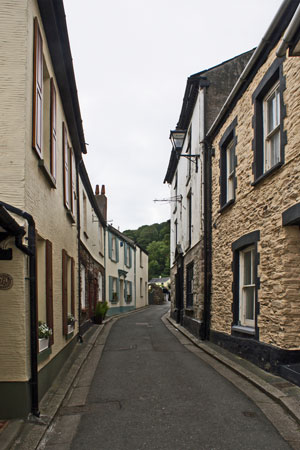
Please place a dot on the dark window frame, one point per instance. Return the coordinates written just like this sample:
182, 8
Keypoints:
273, 75
228, 137
189, 285
239, 245
189, 217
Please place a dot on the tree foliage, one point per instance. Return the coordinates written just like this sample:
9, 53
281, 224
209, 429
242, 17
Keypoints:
155, 239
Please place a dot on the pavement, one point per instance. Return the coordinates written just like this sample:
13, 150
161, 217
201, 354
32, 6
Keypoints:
29, 434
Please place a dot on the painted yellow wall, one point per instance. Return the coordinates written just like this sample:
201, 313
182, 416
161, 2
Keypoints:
24, 185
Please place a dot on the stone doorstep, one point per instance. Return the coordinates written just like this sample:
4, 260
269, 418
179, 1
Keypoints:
289, 403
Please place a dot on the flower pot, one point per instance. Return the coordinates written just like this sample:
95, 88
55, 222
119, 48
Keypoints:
70, 329
43, 344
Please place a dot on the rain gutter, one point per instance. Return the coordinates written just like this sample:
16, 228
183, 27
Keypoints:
289, 34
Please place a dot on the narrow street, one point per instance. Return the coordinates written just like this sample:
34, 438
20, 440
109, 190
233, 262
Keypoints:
142, 388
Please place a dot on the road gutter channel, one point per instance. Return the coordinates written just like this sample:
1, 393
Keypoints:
290, 405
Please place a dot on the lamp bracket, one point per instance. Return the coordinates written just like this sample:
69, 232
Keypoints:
192, 158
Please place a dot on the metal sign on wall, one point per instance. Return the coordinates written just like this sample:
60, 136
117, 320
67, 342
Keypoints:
6, 281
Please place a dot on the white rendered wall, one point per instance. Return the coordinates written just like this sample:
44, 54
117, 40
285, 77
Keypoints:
179, 209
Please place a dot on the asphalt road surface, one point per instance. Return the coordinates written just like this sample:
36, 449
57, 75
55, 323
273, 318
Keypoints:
149, 392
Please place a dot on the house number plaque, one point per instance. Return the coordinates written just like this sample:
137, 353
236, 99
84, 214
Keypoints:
6, 281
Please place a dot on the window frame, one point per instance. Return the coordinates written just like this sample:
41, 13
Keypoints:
239, 247
127, 255
69, 188
244, 288
68, 289
189, 152
269, 134
47, 266
190, 285
273, 77
37, 113
41, 139
227, 142
83, 302
189, 218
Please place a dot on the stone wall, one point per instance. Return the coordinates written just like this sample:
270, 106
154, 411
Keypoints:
156, 296
260, 208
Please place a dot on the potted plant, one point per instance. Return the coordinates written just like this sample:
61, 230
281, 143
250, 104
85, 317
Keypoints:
43, 334
71, 323
100, 312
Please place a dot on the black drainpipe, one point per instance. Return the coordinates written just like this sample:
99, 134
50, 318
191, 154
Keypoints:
31, 252
204, 334
78, 244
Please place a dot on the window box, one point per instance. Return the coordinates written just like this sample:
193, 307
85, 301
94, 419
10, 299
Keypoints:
43, 344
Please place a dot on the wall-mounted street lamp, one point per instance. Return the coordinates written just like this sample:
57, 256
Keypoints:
177, 138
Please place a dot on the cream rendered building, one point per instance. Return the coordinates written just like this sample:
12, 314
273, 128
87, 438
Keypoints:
120, 272
126, 268
41, 145
141, 270
92, 248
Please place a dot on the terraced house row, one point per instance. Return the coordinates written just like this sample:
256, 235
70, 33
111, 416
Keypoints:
235, 191
54, 237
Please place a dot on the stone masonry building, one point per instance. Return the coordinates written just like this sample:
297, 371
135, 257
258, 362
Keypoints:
255, 148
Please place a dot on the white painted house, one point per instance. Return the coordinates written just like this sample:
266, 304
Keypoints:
120, 272
205, 93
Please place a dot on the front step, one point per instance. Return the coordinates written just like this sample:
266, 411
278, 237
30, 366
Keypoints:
291, 372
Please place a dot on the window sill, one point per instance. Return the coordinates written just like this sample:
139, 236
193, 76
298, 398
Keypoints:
224, 207
70, 216
189, 311
243, 329
113, 260
188, 247
266, 174
50, 178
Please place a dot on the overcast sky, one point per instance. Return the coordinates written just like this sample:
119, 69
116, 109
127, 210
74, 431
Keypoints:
132, 59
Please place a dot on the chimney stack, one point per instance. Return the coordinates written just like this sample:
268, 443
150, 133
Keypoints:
101, 200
